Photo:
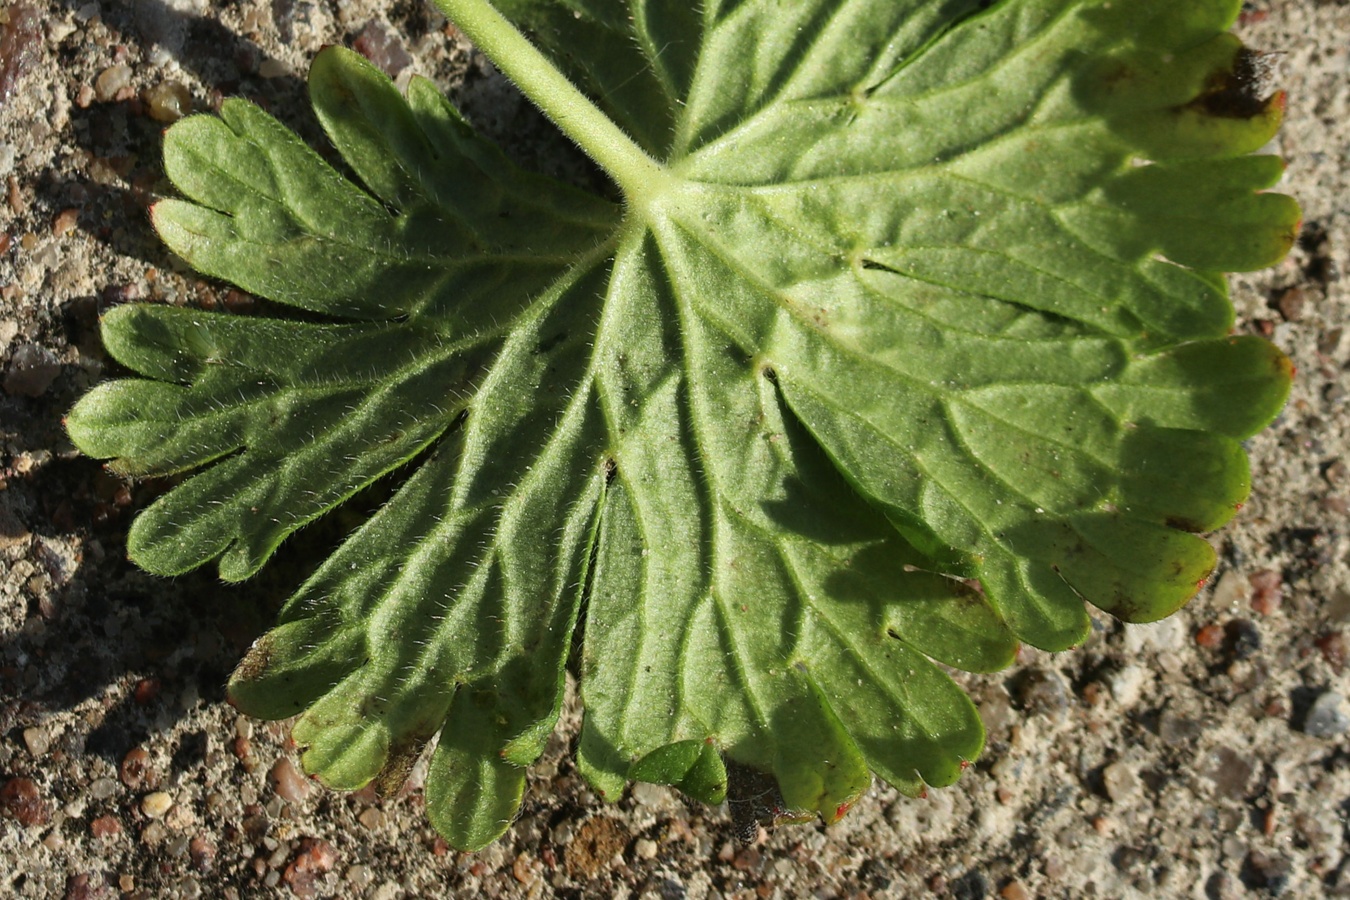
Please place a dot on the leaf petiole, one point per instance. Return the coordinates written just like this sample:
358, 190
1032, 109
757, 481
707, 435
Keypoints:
576, 116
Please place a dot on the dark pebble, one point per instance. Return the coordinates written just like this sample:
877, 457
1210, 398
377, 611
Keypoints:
1128, 860
970, 886
1261, 871
1242, 639
1040, 692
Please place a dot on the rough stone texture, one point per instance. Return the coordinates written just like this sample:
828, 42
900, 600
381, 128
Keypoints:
1142, 765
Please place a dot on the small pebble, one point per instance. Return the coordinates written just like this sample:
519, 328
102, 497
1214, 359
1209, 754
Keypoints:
1177, 729
995, 710
1122, 785
1333, 647
105, 826
1014, 890
1229, 771
78, 887
382, 47
156, 804
288, 781
154, 834
748, 859
103, 788
32, 369
17, 205
650, 795
523, 869
243, 750
272, 68
65, 222
37, 740
371, 818
1325, 718
111, 81
1329, 341
167, 101
21, 799
20, 44
147, 689
1242, 638
1230, 591
202, 853
1210, 637
312, 861
1127, 684
645, 849
1290, 304
136, 772
1267, 590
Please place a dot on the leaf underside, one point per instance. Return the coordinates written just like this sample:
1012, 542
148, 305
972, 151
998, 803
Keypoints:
924, 345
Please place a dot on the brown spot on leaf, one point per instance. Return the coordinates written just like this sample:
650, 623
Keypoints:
255, 662
402, 757
1238, 93
1124, 607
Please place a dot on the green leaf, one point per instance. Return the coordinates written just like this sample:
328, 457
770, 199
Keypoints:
909, 339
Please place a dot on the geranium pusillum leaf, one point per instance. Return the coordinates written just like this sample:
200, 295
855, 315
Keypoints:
908, 340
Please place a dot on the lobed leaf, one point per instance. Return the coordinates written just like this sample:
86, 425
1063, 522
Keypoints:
915, 342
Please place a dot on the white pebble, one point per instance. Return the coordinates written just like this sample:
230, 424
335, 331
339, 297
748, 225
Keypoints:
156, 804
